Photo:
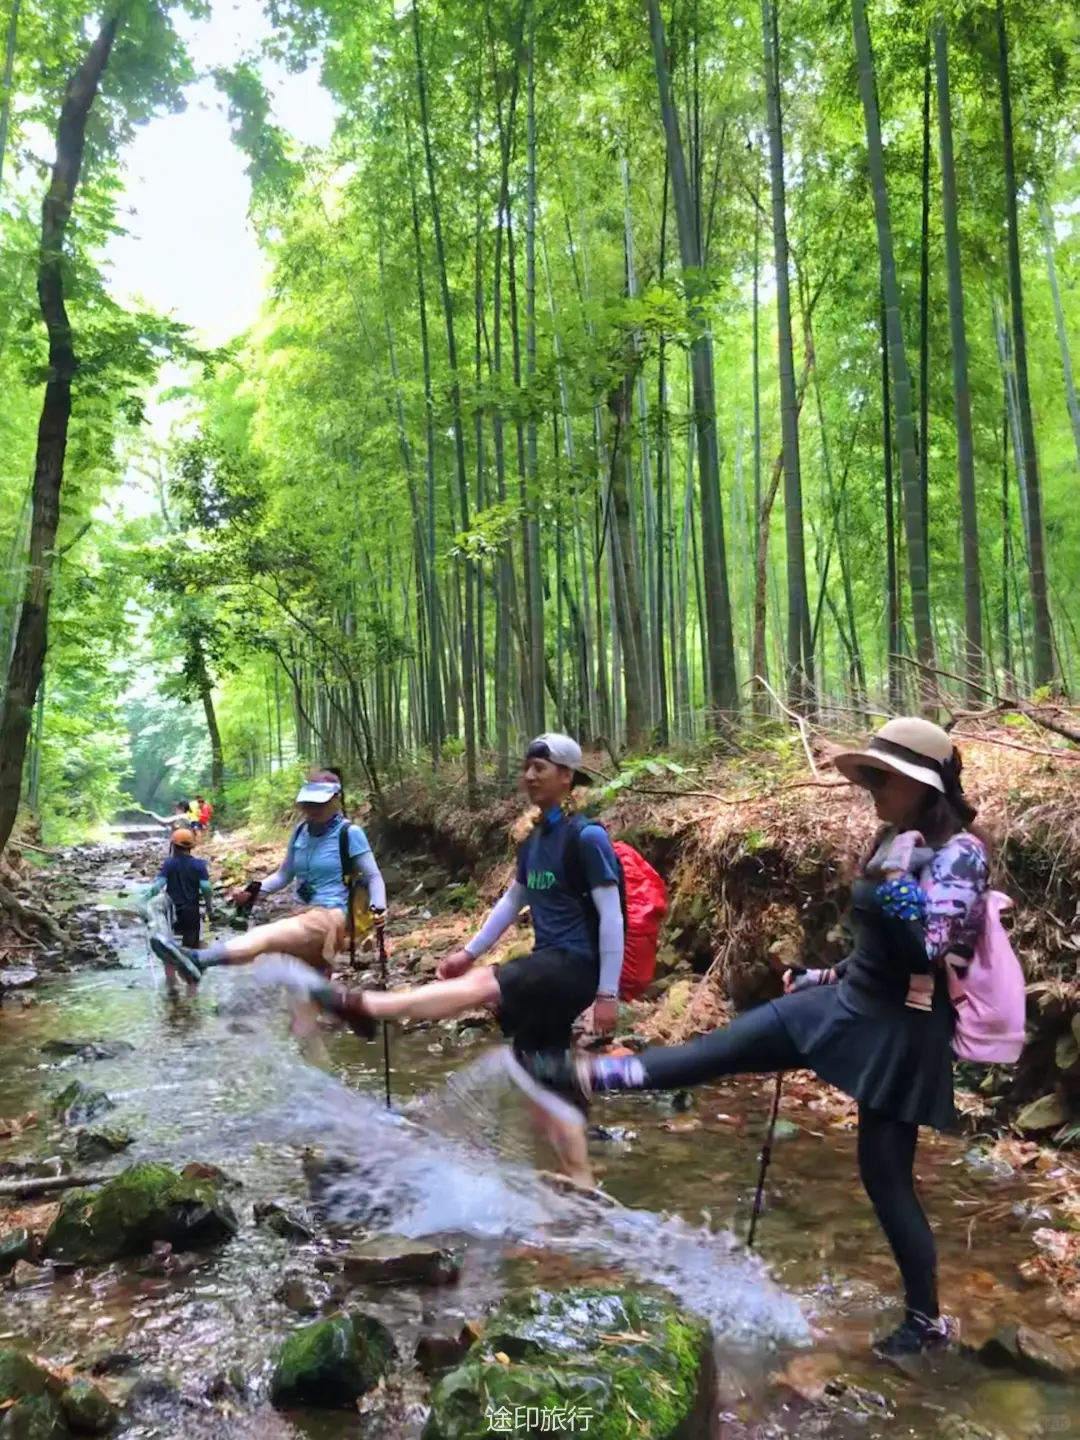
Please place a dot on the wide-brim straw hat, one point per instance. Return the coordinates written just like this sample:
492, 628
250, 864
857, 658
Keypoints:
910, 746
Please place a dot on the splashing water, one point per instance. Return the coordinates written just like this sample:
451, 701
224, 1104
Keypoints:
437, 1172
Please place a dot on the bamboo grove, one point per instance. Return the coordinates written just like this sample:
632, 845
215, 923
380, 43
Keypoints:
631, 368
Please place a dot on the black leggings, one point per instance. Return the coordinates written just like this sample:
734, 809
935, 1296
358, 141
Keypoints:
758, 1043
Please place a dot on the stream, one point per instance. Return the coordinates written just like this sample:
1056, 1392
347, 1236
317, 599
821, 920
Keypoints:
216, 1077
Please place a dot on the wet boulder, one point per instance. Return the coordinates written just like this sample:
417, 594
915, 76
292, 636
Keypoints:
1029, 1352
390, 1260
84, 1049
78, 1103
616, 1364
274, 1216
436, 1353
46, 1407
87, 1410
329, 1364
93, 1145
16, 1245
144, 1204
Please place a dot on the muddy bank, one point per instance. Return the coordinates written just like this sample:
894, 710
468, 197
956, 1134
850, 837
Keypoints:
759, 854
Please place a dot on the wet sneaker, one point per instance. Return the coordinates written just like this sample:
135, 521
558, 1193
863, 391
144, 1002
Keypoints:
183, 961
916, 1335
349, 1004
557, 1070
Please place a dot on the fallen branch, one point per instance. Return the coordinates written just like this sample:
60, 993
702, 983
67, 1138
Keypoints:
46, 1185
798, 719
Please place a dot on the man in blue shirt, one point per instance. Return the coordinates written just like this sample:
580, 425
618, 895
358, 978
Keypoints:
568, 875
314, 863
185, 879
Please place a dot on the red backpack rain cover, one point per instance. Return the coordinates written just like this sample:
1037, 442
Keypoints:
646, 906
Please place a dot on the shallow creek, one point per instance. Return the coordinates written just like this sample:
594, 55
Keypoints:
215, 1077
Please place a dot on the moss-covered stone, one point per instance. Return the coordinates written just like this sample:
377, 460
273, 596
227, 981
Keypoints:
144, 1204
622, 1365
101, 1144
36, 1419
329, 1364
21, 1378
88, 1410
15, 1245
77, 1103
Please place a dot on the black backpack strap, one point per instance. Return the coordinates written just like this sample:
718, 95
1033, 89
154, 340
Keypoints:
574, 866
348, 870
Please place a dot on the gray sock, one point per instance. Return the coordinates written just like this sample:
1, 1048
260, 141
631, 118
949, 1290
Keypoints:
216, 953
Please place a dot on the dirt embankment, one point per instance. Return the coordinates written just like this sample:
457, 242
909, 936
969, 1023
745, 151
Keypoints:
759, 854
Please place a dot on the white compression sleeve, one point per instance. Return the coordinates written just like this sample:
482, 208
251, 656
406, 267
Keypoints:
503, 915
376, 885
612, 937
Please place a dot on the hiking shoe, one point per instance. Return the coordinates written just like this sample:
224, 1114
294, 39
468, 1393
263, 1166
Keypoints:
557, 1070
181, 960
349, 1004
916, 1335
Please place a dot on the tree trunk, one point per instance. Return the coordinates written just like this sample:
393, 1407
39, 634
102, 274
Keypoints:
31, 641
1047, 220
534, 576
1040, 602
723, 694
800, 665
901, 376
965, 450
504, 567
892, 579
436, 717
924, 314
468, 675
627, 593
206, 695
9, 70
760, 660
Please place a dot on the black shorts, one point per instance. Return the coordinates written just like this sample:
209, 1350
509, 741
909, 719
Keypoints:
542, 994
186, 925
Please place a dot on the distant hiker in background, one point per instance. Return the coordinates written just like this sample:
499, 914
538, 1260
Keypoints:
569, 877
327, 858
206, 811
180, 819
185, 879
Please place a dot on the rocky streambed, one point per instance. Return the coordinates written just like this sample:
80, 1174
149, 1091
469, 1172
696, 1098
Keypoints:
272, 1253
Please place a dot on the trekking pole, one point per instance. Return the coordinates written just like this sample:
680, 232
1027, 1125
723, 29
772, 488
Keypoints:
766, 1156
384, 981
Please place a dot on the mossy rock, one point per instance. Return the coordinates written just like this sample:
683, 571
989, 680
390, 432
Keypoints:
88, 1410
16, 1245
36, 1419
22, 1379
78, 1103
101, 1144
143, 1204
327, 1365
622, 1365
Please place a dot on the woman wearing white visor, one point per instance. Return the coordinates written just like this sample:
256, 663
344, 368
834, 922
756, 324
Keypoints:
324, 853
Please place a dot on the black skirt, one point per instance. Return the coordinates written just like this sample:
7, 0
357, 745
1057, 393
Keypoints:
888, 1057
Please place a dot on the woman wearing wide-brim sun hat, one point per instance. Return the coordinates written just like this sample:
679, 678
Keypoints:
879, 1026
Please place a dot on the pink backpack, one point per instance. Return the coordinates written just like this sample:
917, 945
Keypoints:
989, 999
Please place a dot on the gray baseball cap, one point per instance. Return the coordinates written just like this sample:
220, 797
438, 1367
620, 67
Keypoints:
560, 750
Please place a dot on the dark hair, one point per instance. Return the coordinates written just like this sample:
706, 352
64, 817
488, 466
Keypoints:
334, 773
942, 815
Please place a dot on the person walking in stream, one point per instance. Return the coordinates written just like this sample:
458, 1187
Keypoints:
325, 854
186, 881
880, 1024
569, 877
